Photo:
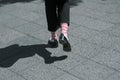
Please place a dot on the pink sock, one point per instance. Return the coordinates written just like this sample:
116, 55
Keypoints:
64, 29
54, 35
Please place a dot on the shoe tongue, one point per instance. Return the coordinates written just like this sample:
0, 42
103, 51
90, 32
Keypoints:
66, 37
54, 36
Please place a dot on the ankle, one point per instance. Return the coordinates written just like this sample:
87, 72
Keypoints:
54, 35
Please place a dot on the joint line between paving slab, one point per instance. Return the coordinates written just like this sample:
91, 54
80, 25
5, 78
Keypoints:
25, 34
17, 74
69, 73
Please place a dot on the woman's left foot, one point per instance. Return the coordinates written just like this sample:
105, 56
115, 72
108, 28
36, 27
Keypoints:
65, 42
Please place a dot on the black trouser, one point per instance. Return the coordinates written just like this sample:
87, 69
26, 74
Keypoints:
57, 12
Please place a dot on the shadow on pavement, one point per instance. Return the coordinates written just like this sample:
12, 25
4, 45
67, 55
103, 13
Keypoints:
11, 54
2, 2
75, 2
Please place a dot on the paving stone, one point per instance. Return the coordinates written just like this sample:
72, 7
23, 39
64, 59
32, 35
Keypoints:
95, 6
4, 17
81, 32
113, 31
73, 40
37, 1
6, 9
21, 8
2, 45
31, 16
41, 9
87, 49
26, 12
116, 45
31, 7
28, 28
28, 6
14, 22
83, 10
7, 35
42, 34
9, 75
104, 40
90, 23
67, 77
42, 72
109, 58
41, 21
70, 62
24, 63
103, 1
115, 76
96, 1
90, 70
26, 41
113, 18
99, 38
109, 13
94, 14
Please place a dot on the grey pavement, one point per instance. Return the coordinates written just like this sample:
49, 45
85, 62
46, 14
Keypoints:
94, 36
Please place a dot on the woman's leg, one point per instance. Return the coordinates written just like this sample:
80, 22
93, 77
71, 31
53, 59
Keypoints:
50, 8
51, 15
64, 15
